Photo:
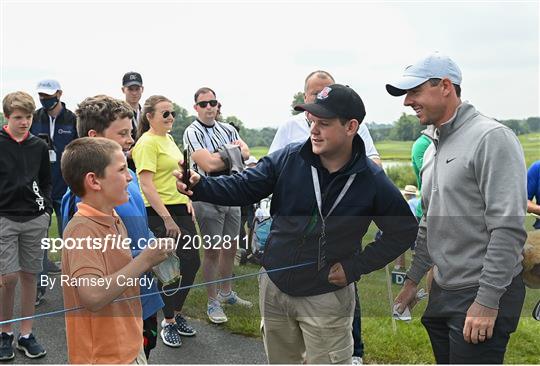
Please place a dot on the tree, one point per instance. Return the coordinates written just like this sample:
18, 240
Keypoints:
298, 98
181, 121
534, 124
406, 128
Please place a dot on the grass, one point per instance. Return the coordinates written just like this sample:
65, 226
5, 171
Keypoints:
409, 345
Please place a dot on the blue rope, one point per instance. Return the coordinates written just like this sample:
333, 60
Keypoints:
42, 315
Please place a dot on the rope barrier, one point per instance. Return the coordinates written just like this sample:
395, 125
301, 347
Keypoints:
63, 311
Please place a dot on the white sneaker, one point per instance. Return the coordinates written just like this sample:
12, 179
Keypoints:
232, 299
215, 312
357, 360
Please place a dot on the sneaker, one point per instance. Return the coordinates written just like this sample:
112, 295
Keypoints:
232, 299
183, 327
169, 334
39, 297
6, 347
53, 268
30, 347
357, 360
215, 312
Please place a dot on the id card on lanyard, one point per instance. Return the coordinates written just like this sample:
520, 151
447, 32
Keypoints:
321, 257
52, 153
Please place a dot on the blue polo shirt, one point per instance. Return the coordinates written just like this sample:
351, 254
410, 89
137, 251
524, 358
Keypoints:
133, 214
533, 186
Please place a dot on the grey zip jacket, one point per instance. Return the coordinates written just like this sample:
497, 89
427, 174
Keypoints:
474, 195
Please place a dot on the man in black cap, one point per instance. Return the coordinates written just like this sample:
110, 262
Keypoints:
326, 192
132, 87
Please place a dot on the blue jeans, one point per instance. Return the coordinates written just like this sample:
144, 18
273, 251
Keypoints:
358, 347
56, 208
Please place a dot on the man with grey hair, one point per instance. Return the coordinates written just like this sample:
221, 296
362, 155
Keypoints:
297, 128
472, 229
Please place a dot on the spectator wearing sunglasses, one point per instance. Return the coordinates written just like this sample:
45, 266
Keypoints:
217, 223
156, 156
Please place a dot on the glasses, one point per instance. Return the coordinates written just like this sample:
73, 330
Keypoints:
166, 114
212, 103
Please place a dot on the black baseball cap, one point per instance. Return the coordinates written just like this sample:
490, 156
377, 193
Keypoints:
334, 101
132, 78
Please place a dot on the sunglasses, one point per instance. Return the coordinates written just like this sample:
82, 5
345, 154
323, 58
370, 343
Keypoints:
166, 114
212, 103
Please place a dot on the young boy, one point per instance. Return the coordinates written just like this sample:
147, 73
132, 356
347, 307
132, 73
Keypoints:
25, 211
103, 116
95, 169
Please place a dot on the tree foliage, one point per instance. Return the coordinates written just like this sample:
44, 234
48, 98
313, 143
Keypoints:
298, 98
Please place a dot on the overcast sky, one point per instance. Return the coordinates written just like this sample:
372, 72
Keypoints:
256, 55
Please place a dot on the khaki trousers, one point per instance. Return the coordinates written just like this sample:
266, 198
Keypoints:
312, 329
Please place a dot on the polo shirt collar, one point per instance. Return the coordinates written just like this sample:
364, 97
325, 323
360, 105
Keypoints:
97, 216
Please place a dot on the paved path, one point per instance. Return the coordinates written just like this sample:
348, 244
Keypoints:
212, 345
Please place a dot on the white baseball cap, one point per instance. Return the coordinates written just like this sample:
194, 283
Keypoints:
48, 86
433, 66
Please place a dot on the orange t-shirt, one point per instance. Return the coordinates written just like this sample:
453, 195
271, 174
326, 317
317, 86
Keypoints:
112, 335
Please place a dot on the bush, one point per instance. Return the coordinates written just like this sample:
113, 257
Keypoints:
401, 175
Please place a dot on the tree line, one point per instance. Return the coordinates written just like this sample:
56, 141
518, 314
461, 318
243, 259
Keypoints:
406, 128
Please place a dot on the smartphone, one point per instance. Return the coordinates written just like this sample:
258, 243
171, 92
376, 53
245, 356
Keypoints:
185, 169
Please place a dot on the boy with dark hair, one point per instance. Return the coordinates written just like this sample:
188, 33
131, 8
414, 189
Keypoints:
103, 116
96, 170
25, 212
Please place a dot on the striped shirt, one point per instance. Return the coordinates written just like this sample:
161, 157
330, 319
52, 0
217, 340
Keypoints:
200, 136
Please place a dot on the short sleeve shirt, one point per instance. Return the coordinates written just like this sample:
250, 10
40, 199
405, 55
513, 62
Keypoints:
159, 155
200, 136
112, 335
533, 186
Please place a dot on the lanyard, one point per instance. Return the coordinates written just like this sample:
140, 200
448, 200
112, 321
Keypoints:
321, 262
51, 126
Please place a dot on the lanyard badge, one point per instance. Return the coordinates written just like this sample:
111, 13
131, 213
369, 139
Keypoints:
321, 257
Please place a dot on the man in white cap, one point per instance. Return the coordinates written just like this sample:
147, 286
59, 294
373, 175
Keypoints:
57, 125
472, 229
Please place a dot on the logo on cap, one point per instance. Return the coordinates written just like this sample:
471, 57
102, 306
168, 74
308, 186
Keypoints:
132, 77
324, 93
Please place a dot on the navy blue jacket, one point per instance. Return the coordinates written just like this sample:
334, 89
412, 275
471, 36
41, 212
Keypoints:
296, 226
65, 127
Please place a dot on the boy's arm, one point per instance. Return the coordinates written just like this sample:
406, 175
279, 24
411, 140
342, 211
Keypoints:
94, 298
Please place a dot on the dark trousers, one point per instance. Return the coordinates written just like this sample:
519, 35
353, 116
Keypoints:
445, 317
189, 257
358, 346
149, 334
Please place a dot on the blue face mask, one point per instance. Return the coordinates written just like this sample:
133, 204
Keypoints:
49, 104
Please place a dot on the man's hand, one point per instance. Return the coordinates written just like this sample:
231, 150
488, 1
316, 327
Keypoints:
193, 180
407, 296
336, 276
155, 255
479, 323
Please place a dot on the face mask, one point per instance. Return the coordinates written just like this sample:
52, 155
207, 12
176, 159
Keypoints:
49, 104
168, 271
